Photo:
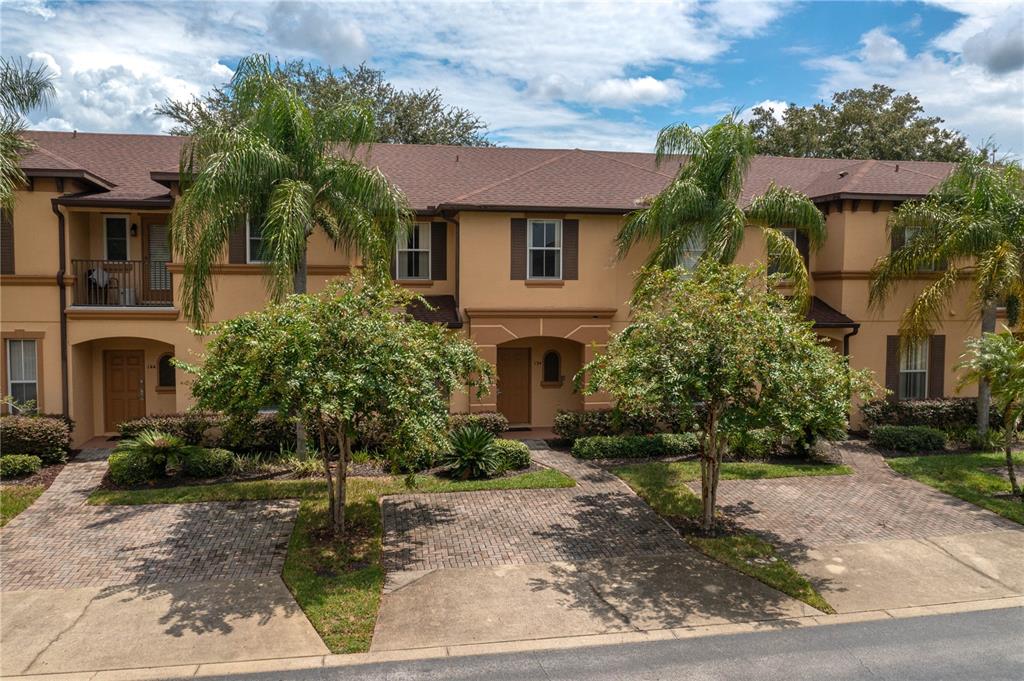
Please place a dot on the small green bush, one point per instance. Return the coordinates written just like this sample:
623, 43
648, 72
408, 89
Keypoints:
950, 413
200, 462
263, 433
570, 425
128, 468
190, 427
757, 443
19, 465
514, 455
636, 446
908, 438
491, 421
473, 454
42, 436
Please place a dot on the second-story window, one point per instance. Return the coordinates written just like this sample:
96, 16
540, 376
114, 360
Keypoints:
413, 255
254, 242
773, 263
691, 253
115, 237
914, 371
909, 234
544, 249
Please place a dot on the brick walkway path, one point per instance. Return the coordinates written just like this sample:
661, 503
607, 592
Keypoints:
599, 518
874, 504
60, 542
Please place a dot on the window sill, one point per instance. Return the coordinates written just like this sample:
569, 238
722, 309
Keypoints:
164, 390
415, 283
545, 283
552, 384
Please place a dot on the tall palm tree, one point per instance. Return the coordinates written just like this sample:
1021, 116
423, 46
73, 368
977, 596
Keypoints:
701, 207
23, 87
969, 227
291, 169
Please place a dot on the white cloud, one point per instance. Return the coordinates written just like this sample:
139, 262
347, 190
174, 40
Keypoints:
309, 28
878, 47
776, 106
716, 108
620, 92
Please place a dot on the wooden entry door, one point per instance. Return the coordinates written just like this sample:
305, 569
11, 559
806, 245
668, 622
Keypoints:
124, 387
156, 253
514, 384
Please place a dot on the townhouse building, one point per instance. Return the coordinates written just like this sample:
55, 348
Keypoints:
513, 247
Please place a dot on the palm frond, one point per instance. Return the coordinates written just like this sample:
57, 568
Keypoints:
920, 319
789, 263
287, 225
24, 85
781, 207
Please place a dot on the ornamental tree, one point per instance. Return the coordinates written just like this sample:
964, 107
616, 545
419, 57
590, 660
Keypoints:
336, 358
998, 358
722, 345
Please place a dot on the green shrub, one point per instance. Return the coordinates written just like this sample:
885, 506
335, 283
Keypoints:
160, 450
127, 468
491, 421
190, 427
514, 455
570, 425
263, 433
473, 454
946, 414
757, 443
200, 462
42, 436
908, 438
19, 465
636, 446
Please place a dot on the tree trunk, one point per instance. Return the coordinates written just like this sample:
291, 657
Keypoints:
327, 469
344, 450
1011, 430
299, 286
988, 325
710, 463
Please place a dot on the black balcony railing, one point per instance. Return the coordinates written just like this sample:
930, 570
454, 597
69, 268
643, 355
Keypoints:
122, 283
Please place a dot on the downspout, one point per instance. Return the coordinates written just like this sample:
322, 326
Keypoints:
846, 340
450, 216
62, 295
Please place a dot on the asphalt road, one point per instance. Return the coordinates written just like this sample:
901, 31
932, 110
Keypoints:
977, 646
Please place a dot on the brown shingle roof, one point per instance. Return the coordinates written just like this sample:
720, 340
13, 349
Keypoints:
824, 315
436, 177
444, 311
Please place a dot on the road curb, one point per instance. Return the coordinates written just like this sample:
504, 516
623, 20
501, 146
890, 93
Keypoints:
264, 666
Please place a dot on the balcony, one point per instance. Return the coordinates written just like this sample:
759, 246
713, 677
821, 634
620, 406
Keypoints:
121, 283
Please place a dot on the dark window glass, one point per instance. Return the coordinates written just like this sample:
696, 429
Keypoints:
165, 372
552, 367
117, 239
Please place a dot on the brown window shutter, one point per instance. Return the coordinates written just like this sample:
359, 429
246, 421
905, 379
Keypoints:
570, 249
897, 238
803, 244
936, 366
438, 251
518, 254
892, 366
6, 242
236, 244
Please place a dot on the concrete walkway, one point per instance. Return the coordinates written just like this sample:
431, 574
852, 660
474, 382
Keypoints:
480, 567
876, 540
99, 587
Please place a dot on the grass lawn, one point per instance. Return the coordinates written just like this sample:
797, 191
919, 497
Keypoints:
337, 583
964, 476
16, 498
663, 486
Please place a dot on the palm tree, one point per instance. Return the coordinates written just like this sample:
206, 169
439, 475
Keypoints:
969, 227
292, 170
23, 87
699, 213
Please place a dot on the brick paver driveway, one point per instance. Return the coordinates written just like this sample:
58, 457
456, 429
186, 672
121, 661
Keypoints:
61, 542
873, 504
599, 518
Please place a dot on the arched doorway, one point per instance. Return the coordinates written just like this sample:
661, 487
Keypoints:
535, 379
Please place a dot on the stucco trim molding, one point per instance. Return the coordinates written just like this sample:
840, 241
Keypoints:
34, 280
556, 313
851, 275
260, 269
134, 313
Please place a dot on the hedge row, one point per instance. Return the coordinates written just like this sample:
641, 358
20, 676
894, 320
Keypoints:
635, 446
908, 438
264, 433
948, 413
47, 437
570, 425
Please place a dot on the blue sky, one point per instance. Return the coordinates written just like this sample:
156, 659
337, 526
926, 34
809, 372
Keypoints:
553, 74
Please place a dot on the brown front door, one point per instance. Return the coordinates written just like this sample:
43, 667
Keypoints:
124, 387
156, 253
514, 384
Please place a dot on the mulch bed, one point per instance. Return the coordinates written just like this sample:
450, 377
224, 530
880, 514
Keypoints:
44, 477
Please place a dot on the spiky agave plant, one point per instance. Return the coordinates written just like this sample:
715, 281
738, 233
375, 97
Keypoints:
473, 454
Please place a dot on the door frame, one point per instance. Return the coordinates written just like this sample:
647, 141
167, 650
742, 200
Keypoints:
106, 392
529, 382
150, 294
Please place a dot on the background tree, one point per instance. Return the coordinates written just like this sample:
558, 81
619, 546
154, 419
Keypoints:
720, 344
859, 123
23, 87
337, 358
998, 359
402, 116
290, 169
970, 227
701, 207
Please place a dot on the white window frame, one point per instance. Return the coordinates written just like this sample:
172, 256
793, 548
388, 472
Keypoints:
559, 239
923, 350
248, 244
689, 250
127, 237
10, 367
403, 247
908, 234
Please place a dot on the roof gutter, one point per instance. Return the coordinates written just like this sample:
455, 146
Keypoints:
92, 202
62, 297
